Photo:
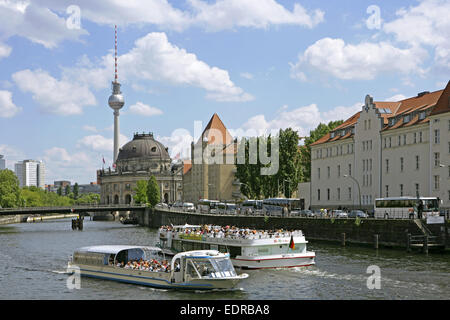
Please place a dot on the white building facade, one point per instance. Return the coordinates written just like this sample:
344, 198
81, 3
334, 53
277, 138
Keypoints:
390, 149
30, 173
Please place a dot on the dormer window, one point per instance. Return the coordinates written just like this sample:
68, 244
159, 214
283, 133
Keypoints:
353, 130
332, 134
422, 115
406, 118
342, 133
153, 149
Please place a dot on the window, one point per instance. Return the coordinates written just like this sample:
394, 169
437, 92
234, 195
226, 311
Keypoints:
349, 193
329, 172
448, 125
436, 182
417, 162
364, 165
404, 139
399, 140
387, 190
318, 173
370, 166
401, 190
318, 194
422, 115
328, 194
339, 193
415, 137
350, 169
436, 159
390, 142
369, 124
420, 136
449, 147
401, 164
385, 143
417, 190
387, 165
448, 195
339, 170
437, 138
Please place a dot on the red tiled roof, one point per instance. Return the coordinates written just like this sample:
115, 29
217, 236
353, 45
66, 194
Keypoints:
443, 104
187, 165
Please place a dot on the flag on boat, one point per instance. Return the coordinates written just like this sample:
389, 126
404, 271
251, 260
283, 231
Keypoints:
104, 160
292, 244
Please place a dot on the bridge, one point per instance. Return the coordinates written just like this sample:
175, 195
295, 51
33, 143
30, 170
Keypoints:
71, 209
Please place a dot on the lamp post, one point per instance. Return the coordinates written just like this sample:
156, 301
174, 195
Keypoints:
359, 189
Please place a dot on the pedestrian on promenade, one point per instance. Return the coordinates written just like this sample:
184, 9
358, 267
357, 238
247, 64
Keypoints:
420, 209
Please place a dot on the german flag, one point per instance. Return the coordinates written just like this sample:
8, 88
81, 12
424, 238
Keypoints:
291, 243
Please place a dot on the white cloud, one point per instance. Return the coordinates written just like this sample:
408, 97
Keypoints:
98, 142
90, 128
228, 14
36, 23
247, 75
396, 97
7, 107
219, 15
425, 24
5, 50
62, 97
178, 142
61, 164
12, 155
302, 119
142, 109
363, 61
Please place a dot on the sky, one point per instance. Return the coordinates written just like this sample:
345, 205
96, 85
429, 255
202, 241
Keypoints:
261, 65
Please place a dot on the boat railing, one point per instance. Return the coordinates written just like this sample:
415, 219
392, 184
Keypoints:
250, 236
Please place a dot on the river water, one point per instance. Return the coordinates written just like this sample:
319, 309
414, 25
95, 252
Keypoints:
33, 260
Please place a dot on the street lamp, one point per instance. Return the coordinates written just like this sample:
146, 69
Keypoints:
359, 189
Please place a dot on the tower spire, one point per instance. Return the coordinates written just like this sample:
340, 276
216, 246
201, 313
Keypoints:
116, 100
115, 53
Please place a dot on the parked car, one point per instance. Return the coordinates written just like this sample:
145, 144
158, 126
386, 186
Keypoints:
306, 213
162, 205
339, 214
188, 207
357, 213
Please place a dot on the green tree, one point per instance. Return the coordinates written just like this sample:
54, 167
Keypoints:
76, 191
59, 192
67, 190
10, 195
153, 193
141, 192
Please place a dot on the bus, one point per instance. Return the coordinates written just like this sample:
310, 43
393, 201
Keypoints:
255, 206
405, 207
274, 206
207, 206
226, 208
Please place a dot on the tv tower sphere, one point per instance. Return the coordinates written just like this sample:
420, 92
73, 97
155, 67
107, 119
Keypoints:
116, 100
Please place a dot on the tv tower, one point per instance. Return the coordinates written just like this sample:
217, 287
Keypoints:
116, 101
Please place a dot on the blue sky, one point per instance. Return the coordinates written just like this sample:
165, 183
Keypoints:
260, 65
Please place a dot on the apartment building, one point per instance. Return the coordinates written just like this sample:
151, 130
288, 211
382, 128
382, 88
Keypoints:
399, 148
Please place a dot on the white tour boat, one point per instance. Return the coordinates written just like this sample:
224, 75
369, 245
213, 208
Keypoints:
249, 249
200, 269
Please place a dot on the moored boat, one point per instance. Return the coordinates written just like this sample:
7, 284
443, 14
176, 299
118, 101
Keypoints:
200, 269
248, 249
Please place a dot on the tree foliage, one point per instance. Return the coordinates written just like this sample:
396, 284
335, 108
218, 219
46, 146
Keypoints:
284, 181
141, 192
10, 195
153, 193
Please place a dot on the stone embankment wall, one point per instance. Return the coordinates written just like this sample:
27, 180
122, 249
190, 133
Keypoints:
390, 232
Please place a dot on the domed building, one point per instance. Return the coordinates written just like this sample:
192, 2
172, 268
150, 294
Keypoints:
137, 160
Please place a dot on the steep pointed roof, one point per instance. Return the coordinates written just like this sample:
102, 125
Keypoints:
215, 132
443, 104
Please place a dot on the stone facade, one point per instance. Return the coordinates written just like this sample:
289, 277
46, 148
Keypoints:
139, 159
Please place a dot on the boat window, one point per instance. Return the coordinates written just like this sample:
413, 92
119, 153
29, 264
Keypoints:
190, 270
224, 266
205, 268
234, 251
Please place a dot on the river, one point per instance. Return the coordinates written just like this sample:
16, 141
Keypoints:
33, 260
